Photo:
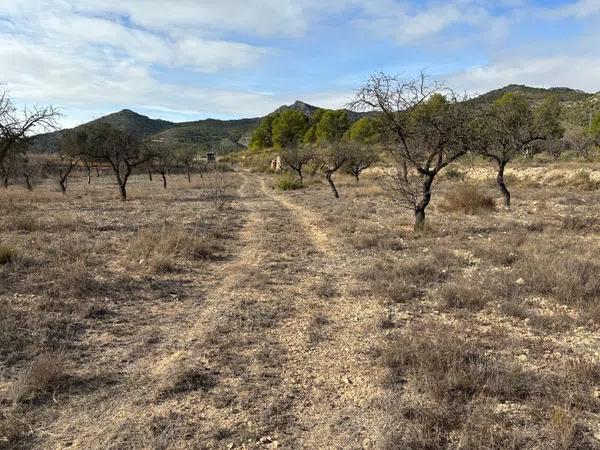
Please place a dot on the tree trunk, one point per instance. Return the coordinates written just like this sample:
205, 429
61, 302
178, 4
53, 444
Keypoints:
149, 174
89, 175
189, 175
5, 182
329, 176
28, 183
97, 172
501, 184
63, 186
164, 178
123, 191
356, 175
299, 172
422, 205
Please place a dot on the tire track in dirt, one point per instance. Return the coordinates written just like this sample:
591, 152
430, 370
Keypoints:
246, 371
345, 387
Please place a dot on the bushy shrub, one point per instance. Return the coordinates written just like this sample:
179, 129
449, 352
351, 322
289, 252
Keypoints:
468, 200
287, 182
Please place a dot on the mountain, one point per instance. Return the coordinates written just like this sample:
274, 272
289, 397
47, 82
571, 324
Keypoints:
310, 109
226, 136
220, 135
533, 95
127, 120
576, 105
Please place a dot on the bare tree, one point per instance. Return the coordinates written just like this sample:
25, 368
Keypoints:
296, 158
360, 158
186, 156
512, 128
18, 127
332, 157
121, 150
161, 156
423, 130
583, 144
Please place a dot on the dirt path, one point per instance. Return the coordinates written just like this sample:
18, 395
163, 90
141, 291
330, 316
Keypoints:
276, 356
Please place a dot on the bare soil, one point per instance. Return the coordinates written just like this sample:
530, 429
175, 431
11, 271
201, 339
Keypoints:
297, 320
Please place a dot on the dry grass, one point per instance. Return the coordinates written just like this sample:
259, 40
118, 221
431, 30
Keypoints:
297, 318
159, 250
45, 374
467, 199
7, 254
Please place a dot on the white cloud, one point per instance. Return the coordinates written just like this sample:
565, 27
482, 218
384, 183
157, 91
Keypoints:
553, 71
581, 9
406, 23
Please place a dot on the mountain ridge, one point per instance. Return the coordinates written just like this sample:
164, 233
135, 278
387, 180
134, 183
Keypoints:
234, 134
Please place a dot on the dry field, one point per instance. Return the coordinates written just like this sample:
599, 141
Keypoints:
188, 318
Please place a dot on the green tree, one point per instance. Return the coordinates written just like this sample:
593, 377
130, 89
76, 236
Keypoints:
263, 135
311, 134
289, 128
332, 126
363, 131
595, 126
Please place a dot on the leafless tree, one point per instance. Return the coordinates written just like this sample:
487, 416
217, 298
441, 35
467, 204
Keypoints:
583, 144
360, 158
161, 156
186, 156
121, 150
17, 127
512, 128
425, 127
296, 158
332, 156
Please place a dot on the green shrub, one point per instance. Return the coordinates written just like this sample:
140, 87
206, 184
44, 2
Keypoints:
7, 254
287, 182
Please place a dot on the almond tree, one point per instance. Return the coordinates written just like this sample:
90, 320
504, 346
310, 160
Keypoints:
17, 128
362, 138
289, 128
332, 151
161, 156
121, 150
423, 130
511, 128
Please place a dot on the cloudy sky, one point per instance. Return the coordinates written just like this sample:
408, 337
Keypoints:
191, 59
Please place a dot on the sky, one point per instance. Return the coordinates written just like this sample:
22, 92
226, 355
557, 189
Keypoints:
184, 60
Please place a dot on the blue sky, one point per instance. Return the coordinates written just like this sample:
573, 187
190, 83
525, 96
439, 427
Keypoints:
191, 59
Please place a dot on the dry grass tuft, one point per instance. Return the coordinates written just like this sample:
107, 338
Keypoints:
440, 363
8, 254
24, 223
160, 250
467, 200
463, 294
185, 379
46, 374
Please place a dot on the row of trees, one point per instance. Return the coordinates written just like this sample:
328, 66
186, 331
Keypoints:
90, 146
422, 127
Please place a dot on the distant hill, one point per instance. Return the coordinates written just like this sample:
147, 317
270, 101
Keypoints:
576, 105
226, 136
127, 120
534, 95
220, 135
310, 109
